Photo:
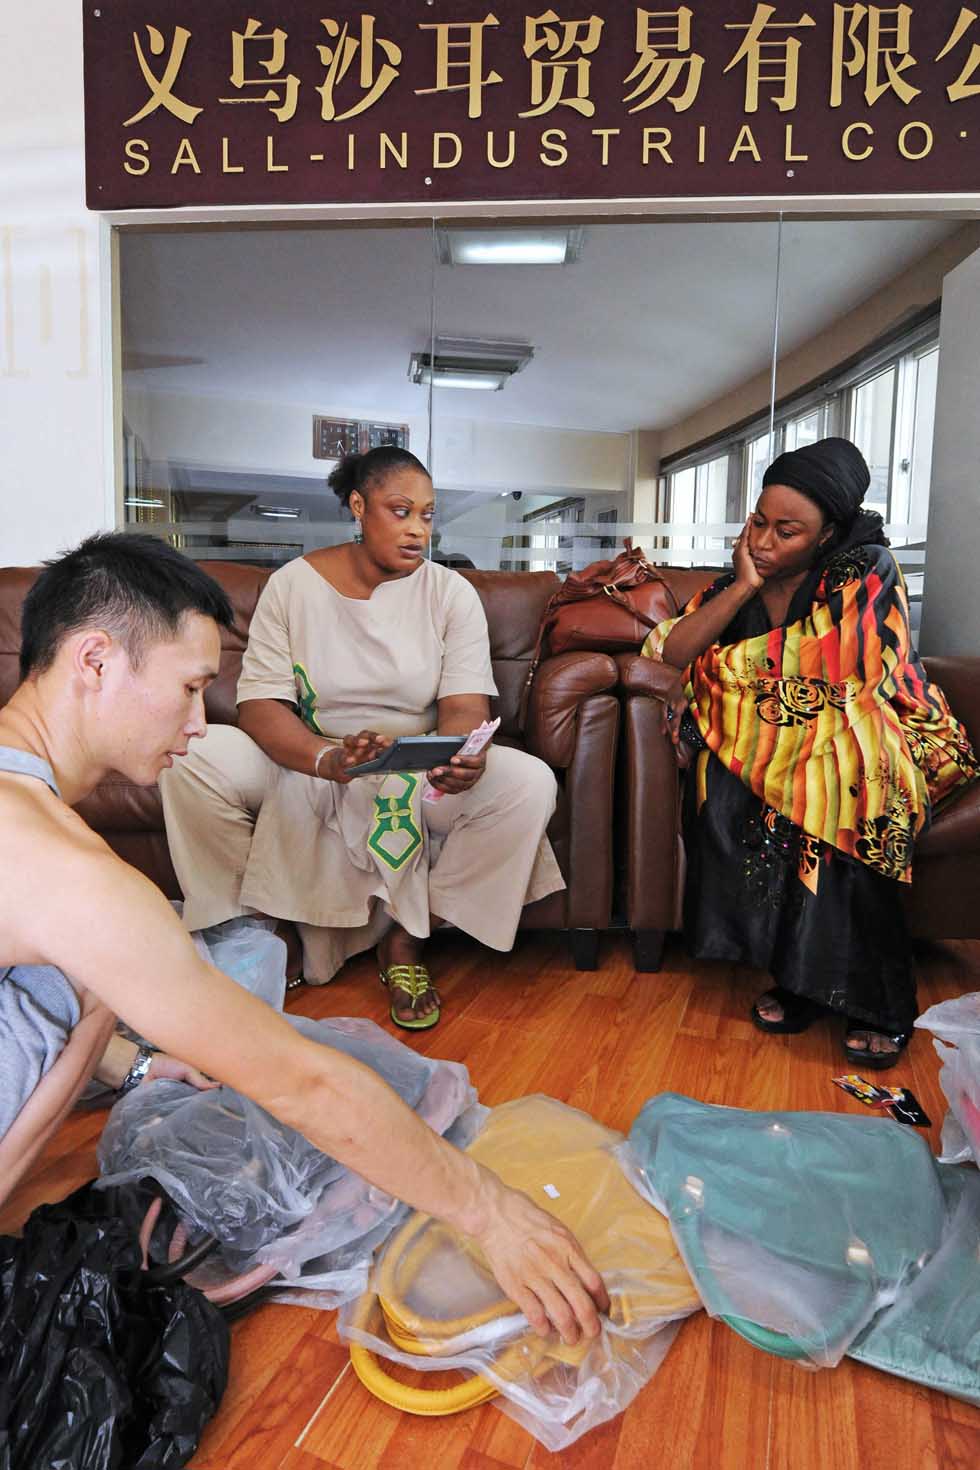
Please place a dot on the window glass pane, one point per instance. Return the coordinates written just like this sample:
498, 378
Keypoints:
711, 499
800, 432
682, 506
872, 414
758, 459
927, 369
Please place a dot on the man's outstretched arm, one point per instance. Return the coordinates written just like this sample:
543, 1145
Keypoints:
111, 931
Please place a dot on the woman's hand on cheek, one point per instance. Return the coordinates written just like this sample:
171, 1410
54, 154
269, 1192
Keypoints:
744, 567
462, 772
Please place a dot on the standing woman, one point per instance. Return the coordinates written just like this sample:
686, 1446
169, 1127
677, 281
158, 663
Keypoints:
350, 647
817, 749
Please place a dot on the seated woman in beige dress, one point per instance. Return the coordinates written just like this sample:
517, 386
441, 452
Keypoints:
349, 647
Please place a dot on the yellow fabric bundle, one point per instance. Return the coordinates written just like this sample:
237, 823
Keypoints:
433, 1294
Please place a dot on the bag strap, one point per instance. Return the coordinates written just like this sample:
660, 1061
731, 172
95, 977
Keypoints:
584, 585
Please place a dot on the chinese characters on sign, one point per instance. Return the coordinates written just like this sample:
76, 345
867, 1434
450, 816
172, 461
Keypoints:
435, 99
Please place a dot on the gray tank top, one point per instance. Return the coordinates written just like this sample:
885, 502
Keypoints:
38, 1005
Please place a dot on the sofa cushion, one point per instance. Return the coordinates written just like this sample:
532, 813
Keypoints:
514, 603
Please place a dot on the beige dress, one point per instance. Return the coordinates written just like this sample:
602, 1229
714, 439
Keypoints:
343, 860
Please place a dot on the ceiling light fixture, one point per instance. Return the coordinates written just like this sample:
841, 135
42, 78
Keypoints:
523, 245
143, 500
276, 512
469, 362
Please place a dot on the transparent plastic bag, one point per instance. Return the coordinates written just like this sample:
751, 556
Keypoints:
932, 1333
953, 1020
796, 1227
250, 952
260, 1187
958, 1021
959, 1078
433, 1303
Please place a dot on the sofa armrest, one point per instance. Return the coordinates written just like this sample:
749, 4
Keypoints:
639, 675
956, 828
959, 679
561, 685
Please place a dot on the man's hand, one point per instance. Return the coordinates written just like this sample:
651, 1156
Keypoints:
353, 750
541, 1266
462, 772
175, 1070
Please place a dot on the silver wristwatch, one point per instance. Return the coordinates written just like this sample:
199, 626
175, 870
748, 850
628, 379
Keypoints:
139, 1069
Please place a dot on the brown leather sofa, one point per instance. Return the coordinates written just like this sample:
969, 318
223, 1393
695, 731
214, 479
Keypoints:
943, 901
572, 723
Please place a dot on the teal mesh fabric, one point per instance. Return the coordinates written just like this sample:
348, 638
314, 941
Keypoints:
796, 1227
932, 1333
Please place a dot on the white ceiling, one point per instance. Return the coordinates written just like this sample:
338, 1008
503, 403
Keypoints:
655, 319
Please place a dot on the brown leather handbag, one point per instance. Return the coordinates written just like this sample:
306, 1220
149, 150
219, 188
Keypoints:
609, 607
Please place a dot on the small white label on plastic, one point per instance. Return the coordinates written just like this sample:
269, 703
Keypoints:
551, 1191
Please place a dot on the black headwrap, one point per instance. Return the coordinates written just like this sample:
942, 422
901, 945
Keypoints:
832, 473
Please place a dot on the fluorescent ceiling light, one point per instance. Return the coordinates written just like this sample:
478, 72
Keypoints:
469, 362
524, 245
142, 500
443, 377
277, 512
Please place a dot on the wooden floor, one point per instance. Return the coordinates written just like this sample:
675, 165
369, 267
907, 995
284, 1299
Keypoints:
605, 1042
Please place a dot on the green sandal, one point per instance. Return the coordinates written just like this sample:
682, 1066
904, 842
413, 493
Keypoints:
413, 981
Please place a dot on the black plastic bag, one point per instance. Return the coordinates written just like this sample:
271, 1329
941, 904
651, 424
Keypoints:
100, 1369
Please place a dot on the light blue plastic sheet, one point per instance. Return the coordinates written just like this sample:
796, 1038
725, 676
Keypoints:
798, 1228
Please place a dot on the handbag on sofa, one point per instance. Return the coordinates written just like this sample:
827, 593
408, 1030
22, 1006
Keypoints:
609, 607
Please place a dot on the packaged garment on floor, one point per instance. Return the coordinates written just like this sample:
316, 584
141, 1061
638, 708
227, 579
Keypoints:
958, 1021
260, 1187
99, 1368
932, 1333
796, 1227
250, 951
959, 1078
433, 1303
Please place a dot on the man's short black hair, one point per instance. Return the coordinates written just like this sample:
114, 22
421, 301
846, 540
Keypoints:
136, 587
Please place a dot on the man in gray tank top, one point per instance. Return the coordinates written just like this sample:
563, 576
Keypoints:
120, 638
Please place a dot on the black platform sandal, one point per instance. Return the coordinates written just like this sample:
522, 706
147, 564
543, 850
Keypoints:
875, 1061
798, 1012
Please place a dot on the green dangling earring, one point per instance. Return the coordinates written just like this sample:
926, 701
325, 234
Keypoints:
358, 537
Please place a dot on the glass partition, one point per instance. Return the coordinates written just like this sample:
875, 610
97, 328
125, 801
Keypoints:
251, 360
630, 343
627, 387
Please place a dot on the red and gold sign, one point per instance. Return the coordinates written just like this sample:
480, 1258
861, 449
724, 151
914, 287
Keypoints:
210, 102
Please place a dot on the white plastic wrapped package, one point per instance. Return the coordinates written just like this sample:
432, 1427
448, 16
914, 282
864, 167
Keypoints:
796, 1227
959, 1078
250, 952
433, 1303
261, 1188
958, 1021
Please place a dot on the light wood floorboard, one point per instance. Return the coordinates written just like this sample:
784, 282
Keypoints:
605, 1041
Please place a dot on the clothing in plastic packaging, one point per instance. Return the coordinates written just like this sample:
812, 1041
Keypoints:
434, 1304
957, 1022
250, 952
796, 1227
269, 1196
932, 1333
99, 1368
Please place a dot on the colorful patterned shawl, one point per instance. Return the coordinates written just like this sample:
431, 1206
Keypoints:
831, 720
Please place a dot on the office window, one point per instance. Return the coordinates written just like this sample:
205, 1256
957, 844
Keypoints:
886, 404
